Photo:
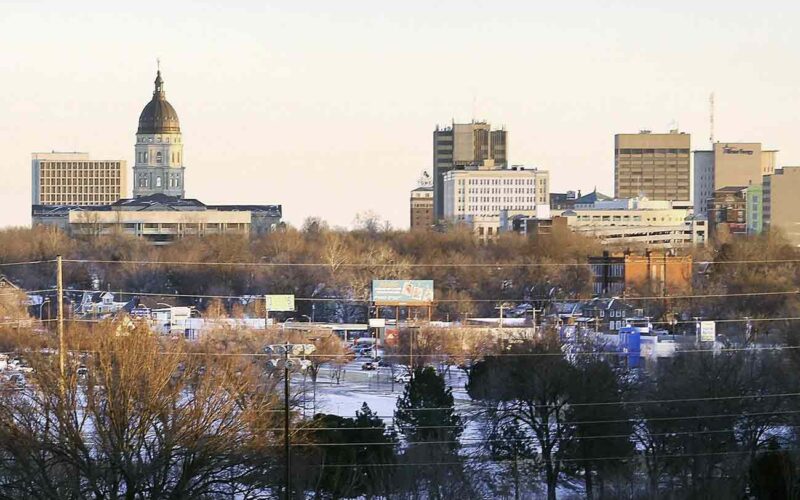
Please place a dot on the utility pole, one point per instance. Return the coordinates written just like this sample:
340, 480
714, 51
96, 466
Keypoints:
286, 438
62, 351
289, 352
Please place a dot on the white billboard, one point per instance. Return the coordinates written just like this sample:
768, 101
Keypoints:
708, 331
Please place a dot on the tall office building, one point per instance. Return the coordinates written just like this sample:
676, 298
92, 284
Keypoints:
461, 145
729, 164
781, 205
75, 179
159, 148
656, 166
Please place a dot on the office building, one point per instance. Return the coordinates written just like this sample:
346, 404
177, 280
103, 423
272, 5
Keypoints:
76, 179
781, 205
654, 166
478, 195
461, 145
729, 164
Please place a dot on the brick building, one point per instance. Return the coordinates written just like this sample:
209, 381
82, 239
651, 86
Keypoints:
654, 272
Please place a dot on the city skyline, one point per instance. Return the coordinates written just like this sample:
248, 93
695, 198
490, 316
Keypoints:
309, 129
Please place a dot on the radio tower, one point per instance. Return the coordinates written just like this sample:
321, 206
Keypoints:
711, 119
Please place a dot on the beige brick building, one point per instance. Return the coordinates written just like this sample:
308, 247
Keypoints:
422, 208
75, 179
655, 166
781, 202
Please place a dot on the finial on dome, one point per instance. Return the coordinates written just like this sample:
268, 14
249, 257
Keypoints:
159, 81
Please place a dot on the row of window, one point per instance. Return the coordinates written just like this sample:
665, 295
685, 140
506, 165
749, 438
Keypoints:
173, 181
142, 157
652, 151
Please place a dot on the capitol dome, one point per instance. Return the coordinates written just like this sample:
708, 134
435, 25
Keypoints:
158, 116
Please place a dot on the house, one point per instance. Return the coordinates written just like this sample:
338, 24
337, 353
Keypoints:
607, 314
7, 284
99, 304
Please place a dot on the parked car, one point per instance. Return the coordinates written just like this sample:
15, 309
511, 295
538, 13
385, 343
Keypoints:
369, 365
403, 378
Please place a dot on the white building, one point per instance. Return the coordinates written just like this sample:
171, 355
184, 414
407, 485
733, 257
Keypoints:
478, 196
651, 223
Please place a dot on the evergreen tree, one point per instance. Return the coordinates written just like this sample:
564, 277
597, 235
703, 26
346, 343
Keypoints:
351, 455
427, 419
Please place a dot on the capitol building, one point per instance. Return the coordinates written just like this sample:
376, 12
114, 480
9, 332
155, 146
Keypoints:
86, 197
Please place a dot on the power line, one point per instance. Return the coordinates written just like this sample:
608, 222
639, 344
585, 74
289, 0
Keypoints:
480, 441
256, 297
533, 460
579, 422
31, 262
499, 265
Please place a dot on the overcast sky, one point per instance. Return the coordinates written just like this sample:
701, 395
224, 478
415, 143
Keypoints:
328, 107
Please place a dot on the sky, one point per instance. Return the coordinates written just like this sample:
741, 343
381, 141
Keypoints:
328, 108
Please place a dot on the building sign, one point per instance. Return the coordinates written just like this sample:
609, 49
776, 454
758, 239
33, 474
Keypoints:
737, 151
708, 331
402, 292
377, 323
280, 303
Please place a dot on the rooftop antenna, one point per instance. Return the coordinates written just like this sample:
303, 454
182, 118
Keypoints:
474, 106
711, 118
158, 63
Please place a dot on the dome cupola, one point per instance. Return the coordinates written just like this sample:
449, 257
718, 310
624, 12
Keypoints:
158, 116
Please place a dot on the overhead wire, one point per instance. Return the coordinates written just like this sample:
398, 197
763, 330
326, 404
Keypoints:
403, 264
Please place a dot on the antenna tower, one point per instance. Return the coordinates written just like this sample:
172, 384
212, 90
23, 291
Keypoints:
711, 118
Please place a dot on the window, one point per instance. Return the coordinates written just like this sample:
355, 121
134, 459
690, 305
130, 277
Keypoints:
158, 181
159, 157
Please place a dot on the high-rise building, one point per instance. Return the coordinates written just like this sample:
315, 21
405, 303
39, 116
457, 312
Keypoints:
159, 148
75, 179
655, 166
729, 164
461, 145
781, 205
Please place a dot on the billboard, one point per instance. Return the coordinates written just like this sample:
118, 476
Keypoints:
402, 292
708, 331
377, 323
280, 303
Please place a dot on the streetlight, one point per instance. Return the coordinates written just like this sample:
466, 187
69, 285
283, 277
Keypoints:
306, 316
45, 301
